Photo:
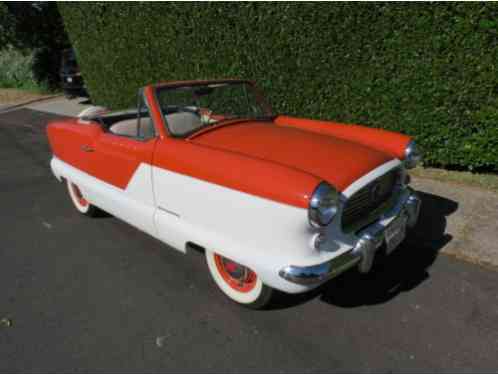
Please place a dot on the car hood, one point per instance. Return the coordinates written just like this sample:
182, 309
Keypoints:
335, 160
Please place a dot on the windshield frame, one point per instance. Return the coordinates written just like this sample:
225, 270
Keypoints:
259, 97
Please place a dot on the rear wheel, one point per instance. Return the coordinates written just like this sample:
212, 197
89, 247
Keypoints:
79, 201
238, 282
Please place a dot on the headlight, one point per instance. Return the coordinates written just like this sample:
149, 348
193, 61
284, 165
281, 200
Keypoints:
412, 155
323, 205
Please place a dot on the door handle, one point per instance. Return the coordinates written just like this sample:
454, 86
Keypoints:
87, 148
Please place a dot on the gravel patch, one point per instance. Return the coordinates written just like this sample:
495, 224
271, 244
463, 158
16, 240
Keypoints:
15, 96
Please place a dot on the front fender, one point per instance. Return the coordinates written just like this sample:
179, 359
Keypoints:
260, 233
386, 141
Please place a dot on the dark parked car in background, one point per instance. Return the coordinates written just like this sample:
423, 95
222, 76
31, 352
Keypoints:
71, 80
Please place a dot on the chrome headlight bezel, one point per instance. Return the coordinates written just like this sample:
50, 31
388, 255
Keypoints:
413, 155
324, 204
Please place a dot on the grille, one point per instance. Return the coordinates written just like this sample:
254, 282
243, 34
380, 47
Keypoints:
359, 209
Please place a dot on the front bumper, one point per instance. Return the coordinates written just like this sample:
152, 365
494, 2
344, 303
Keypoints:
362, 254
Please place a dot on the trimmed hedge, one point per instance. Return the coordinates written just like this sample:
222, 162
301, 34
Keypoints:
428, 70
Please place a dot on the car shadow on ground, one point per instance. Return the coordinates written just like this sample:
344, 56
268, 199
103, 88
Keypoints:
402, 271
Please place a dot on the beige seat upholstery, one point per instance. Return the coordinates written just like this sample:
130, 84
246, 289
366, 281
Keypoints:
182, 122
125, 127
147, 128
129, 128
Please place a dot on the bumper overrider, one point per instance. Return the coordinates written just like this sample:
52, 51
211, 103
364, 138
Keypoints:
362, 254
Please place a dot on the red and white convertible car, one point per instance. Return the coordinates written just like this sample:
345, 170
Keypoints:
276, 202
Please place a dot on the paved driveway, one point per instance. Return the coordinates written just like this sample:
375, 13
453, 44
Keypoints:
97, 295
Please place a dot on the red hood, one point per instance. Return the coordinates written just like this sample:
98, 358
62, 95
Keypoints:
338, 161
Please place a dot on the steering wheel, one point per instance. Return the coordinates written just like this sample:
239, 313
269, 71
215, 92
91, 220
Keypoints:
204, 115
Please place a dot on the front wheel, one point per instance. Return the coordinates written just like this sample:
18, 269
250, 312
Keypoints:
238, 282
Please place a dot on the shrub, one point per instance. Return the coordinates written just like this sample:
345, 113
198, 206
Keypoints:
428, 70
16, 69
35, 29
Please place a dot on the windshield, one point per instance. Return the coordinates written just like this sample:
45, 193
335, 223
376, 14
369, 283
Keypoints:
187, 109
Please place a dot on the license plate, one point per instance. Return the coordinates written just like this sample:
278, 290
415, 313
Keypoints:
395, 233
69, 79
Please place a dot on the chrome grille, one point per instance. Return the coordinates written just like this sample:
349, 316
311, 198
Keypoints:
360, 208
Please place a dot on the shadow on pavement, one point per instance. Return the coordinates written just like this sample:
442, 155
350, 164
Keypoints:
402, 271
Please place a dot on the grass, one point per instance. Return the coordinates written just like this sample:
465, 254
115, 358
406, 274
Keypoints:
483, 181
38, 88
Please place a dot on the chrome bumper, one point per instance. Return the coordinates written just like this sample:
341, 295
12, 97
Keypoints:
370, 239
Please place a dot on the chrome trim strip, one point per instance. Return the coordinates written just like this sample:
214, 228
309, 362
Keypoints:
168, 211
370, 176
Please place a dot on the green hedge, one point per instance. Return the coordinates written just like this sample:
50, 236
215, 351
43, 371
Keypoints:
428, 70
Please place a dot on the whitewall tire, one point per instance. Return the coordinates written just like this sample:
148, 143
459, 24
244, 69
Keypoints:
238, 282
79, 201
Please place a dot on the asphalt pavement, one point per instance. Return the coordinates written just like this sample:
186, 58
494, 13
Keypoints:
96, 295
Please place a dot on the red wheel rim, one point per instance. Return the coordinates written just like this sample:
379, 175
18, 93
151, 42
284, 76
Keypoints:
82, 201
237, 276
